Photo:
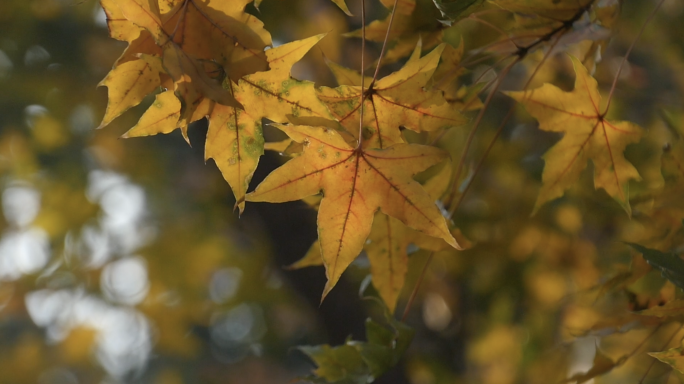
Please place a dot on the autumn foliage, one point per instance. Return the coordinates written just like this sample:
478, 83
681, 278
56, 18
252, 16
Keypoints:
372, 155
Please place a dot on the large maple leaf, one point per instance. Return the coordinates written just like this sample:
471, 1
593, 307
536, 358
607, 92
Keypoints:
355, 183
387, 245
397, 100
587, 135
234, 139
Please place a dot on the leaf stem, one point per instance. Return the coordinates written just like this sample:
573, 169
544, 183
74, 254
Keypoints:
500, 129
629, 51
471, 135
409, 304
363, 54
384, 42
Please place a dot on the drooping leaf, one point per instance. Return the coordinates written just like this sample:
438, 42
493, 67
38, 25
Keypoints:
355, 184
669, 264
398, 100
587, 136
186, 35
234, 139
387, 246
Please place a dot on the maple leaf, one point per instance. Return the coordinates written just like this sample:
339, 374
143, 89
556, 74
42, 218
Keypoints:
587, 135
387, 246
355, 184
234, 139
184, 34
398, 100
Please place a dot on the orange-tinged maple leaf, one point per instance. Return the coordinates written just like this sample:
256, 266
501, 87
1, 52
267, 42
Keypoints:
587, 135
398, 100
355, 184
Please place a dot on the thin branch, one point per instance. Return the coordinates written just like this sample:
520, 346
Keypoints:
409, 304
363, 54
384, 42
624, 58
650, 366
471, 136
500, 129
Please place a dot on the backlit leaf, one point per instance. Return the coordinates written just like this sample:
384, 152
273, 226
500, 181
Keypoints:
355, 184
395, 101
587, 136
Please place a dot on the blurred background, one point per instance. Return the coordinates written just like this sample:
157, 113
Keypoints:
122, 261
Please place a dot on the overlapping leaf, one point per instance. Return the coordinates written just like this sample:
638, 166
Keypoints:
355, 183
398, 100
412, 22
186, 35
235, 139
587, 136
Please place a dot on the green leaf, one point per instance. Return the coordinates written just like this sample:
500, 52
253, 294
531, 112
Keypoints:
359, 362
341, 364
669, 264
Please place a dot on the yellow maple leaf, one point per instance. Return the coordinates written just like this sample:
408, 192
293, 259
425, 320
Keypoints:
587, 135
387, 245
355, 183
185, 34
234, 139
397, 100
